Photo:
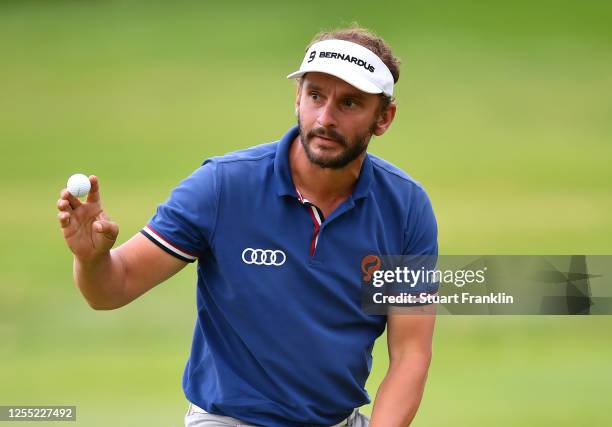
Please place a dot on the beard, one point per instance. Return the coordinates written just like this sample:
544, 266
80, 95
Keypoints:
351, 149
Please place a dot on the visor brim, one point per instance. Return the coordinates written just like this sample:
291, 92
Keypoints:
351, 78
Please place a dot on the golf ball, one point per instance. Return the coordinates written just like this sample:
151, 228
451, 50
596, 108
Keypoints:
78, 185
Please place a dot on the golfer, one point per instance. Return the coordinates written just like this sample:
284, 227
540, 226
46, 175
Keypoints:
279, 231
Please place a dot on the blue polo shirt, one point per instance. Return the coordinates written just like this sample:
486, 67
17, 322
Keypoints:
281, 338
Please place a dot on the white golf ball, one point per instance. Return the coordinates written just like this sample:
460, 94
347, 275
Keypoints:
78, 185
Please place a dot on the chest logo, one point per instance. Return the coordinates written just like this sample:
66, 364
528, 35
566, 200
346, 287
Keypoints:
263, 257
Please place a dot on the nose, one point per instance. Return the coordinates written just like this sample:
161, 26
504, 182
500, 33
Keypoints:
327, 115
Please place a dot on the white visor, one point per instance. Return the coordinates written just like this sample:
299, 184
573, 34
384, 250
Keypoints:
351, 62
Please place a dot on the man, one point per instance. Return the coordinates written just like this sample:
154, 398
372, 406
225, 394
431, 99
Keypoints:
279, 231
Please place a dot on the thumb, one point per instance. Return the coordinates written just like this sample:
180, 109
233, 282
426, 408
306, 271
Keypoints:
107, 228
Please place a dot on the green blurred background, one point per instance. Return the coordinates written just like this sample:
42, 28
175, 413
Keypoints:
505, 115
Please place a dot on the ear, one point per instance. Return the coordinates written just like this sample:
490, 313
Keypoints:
385, 119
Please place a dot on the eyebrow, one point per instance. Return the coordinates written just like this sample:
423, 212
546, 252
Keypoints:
312, 86
357, 94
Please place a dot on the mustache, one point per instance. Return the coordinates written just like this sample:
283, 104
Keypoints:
327, 133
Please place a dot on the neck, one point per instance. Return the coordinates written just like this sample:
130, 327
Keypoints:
322, 185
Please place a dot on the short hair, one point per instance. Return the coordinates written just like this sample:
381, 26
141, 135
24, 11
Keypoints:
369, 40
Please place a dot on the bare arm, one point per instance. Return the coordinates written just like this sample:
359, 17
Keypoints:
109, 279
121, 275
399, 396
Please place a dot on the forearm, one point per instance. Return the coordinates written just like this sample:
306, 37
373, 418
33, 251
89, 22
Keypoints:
101, 280
400, 393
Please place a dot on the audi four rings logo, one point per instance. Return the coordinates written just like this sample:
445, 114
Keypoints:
263, 257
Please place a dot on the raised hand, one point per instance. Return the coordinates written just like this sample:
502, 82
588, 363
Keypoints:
87, 230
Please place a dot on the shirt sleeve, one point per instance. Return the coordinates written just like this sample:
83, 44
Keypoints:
421, 241
421, 233
185, 223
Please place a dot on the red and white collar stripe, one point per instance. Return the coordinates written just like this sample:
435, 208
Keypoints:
317, 220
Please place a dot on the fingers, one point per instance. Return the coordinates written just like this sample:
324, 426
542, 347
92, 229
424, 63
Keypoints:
94, 193
64, 219
64, 205
107, 228
74, 201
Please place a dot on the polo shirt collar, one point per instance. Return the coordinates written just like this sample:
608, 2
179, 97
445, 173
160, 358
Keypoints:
282, 169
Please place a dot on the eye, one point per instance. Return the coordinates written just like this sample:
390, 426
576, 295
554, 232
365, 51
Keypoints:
350, 103
314, 96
